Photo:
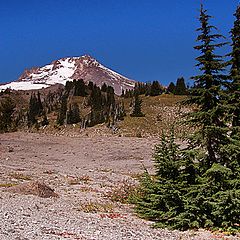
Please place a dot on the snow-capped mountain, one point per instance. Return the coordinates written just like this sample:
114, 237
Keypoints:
68, 69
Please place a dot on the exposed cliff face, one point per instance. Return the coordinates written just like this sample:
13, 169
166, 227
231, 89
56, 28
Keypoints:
68, 69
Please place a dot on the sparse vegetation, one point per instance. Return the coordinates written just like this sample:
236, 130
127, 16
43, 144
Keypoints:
96, 207
7, 185
123, 192
161, 112
20, 176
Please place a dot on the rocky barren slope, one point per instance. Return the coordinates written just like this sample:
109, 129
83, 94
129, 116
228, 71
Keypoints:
88, 175
68, 69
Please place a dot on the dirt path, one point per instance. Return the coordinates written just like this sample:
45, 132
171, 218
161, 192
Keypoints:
85, 172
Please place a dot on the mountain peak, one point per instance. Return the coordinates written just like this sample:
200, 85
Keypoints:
66, 69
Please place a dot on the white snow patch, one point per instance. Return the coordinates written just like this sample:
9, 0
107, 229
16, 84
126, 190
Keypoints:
23, 86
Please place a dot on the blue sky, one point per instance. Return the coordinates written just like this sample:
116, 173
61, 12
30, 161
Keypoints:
144, 40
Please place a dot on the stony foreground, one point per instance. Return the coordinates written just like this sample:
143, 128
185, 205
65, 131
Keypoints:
85, 174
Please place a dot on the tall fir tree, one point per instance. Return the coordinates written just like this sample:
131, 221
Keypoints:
35, 109
206, 93
73, 114
155, 89
180, 88
137, 107
7, 107
171, 88
234, 86
80, 88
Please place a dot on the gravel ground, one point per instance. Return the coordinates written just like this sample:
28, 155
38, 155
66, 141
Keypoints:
82, 171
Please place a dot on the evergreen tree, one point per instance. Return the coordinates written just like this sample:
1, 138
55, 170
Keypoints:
206, 93
234, 86
73, 114
7, 107
80, 88
110, 101
180, 88
161, 199
137, 107
35, 104
96, 99
140, 88
155, 89
69, 86
171, 88
148, 88
35, 109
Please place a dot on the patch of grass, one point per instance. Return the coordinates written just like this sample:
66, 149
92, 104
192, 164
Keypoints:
95, 207
123, 192
20, 176
7, 185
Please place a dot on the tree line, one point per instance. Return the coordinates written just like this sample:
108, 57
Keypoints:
101, 101
155, 89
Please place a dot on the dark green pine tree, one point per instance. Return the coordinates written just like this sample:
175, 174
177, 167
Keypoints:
110, 100
7, 107
80, 88
155, 89
160, 196
96, 101
171, 88
234, 86
33, 110
206, 93
140, 88
180, 88
69, 86
73, 114
137, 107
